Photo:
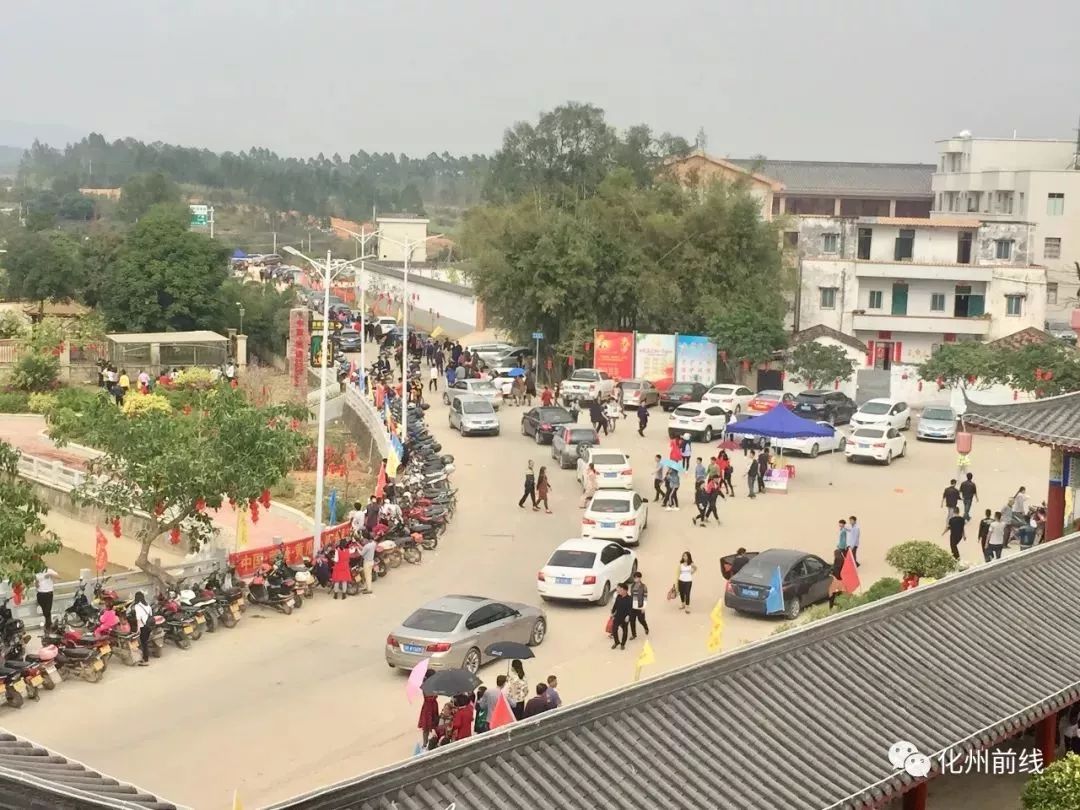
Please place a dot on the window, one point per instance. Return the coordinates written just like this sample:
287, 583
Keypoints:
905, 245
876, 298
1014, 304
937, 302
1003, 248
866, 235
1051, 292
963, 247
1052, 247
791, 239
830, 242
1055, 204
828, 297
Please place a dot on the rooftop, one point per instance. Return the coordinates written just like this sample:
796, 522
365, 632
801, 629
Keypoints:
820, 331
922, 222
831, 178
168, 337
1052, 421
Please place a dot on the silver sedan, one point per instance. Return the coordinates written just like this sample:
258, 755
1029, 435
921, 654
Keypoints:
454, 631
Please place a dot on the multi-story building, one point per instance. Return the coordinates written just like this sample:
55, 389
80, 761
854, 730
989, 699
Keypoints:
1006, 180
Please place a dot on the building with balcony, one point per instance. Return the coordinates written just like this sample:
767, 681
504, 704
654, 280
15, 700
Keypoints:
1019, 180
904, 286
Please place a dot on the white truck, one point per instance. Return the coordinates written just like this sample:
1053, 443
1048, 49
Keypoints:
586, 383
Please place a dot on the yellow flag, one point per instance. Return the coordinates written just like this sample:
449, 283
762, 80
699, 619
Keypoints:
391, 464
241, 528
717, 614
438, 330
716, 634
236, 801
647, 656
399, 313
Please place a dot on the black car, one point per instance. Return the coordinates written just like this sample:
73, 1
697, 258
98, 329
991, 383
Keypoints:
541, 423
825, 406
349, 340
682, 392
806, 579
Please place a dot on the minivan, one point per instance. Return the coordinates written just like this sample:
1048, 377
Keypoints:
471, 414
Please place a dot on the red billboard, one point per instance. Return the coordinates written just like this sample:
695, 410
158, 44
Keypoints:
613, 352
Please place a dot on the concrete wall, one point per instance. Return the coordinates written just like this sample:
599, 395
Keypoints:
817, 274
1020, 233
402, 231
1028, 283
451, 306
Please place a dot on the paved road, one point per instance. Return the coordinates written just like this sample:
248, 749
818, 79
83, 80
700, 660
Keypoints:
282, 704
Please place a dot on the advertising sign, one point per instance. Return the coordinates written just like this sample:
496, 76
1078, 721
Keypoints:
614, 353
695, 359
654, 359
298, 347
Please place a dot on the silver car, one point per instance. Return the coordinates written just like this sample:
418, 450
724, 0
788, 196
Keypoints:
938, 423
470, 414
454, 631
565, 443
636, 392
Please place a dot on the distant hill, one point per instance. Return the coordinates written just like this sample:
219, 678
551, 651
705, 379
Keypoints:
9, 160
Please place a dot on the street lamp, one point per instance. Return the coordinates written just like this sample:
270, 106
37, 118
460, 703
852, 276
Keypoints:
326, 271
242, 313
362, 240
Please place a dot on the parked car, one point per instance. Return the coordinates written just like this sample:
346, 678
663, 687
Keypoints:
481, 388
349, 340
937, 422
613, 470
812, 445
514, 358
680, 393
768, 399
702, 420
880, 412
490, 351
395, 335
566, 441
1062, 330
616, 514
541, 423
805, 578
636, 392
833, 407
730, 397
385, 325
342, 312
586, 383
470, 415
586, 571
875, 444
453, 632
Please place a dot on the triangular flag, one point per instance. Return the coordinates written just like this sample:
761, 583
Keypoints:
717, 614
241, 528
392, 464
380, 485
438, 330
413, 686
716, 634
849, 576
647, 656
236, 805
774, 602
502, 714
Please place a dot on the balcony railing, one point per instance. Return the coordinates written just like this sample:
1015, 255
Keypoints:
931, 324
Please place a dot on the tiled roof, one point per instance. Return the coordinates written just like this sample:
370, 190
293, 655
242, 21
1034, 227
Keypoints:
1053, 421
800, 721
825, 177
1028, 336
821, 330
46, 779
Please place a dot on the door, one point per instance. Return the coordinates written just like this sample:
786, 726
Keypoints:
818, 577
769, 380
641, 512
481, 631
899, 298
716, 418
455, 414
616, 560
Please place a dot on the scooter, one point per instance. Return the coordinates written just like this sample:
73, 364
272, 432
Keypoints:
197, 604
179, 629
261, 593
80, 612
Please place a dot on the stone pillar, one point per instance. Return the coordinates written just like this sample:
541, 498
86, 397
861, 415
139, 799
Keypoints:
241, 350
915, 799
836, 207
892, 208
783, 205
155, 357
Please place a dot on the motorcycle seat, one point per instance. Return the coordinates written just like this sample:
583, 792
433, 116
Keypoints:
78, 653
18, 666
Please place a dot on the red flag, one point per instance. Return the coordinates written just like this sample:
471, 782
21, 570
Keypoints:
502, 713
849, 575
101, 551
380, 485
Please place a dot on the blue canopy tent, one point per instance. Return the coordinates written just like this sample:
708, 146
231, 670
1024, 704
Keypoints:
779, 423
239, 254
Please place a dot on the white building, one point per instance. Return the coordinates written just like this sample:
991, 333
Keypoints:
1019, 179
401, 230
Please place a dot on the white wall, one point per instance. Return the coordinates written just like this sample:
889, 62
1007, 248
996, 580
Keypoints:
905, 387
430, 302
818, 273
932, 245
402, 230
1006, 282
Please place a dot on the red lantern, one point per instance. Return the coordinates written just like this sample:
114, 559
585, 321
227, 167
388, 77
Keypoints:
253, 505
836, 384
116, 527
1014, 395
17, 594
264, 498
1049, 375
174, 536
186, 410
294, 424
159, 509
971, 379
588, 345
783, 375
200, 504
745, 365
570, 360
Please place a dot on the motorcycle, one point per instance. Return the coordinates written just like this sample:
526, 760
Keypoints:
230, 601
197, 604
285, 584
64, 638
262, 592
178, 628
80, 612
301, 574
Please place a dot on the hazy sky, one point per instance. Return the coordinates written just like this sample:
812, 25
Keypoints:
796, 79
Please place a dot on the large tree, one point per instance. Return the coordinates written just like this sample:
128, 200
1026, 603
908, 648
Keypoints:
142, 192
42, 266
816, 364
24, 540
164, 276
1044, 369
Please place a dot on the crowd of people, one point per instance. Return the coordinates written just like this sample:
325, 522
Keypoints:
1019, 519
119, 384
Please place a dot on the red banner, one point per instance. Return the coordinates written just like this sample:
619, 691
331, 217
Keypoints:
614, 354
299, 344
248, 561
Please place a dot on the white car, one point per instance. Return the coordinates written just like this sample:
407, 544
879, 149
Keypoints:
882, 413
385, 325
484, 389
733, 398
613, 470
876, 444
812, 445
616, 514
586, 571
701, 420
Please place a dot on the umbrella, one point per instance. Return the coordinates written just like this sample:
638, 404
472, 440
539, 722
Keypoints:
671, 465
509, 650
516, 372
450, 682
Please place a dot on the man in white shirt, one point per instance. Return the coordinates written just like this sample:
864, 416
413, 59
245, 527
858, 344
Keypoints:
854, 533
433, 381
46, 580
144, 621
356, 517
1020, 502
995, 539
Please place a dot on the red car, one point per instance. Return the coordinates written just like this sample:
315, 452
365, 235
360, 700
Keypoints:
767, 400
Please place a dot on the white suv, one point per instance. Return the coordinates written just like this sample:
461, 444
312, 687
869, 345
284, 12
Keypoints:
882, 413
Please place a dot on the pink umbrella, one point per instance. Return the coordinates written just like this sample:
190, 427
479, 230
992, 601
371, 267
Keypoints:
416, 680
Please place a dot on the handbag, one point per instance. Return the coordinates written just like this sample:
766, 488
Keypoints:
672, 592
609, 626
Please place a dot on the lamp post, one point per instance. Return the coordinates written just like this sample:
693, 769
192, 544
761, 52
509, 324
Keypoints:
326, 271
363, 255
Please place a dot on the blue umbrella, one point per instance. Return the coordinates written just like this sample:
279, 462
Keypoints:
516, 372
671, 465
331, 506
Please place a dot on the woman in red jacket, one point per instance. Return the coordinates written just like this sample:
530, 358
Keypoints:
429, 715
461, 727
341, 575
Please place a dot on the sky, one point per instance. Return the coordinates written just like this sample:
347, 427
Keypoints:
788, 79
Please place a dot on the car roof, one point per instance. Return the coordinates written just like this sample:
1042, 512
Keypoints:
726, 385
608, 451
769, 392
456, 603
699, 406
878, 428
616, 494
816, 392
582, 544
784, 558
469, 398
882, 401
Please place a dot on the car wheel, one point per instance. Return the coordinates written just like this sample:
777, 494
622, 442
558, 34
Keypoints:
471, 661
888, 458
793, 608
538, 437
814, 450
850, 459
708, 434
605, 595
903, 450
843, 443
445, 399
539, 632
907, 423
523, 431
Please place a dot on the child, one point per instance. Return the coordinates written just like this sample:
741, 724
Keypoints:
482, 723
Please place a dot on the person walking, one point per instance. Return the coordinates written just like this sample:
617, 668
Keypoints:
429, 715
687, 569
543, 487
752, 474
984, 532
671, 496
462, 725
552, 694
46, 582
621, 609
726, 471
529, 493
589, 486
540, 703
367, 556
762, 468
597, 417
433, 379
842, 540
639, 600
642, 419
341, 576
658, 480
699, 472
144, 621
713, 488
854, 533
968, 494
1020, 503
836, 584
956, 531
950, 498
995, 538
701, 501
517, 688
685, 451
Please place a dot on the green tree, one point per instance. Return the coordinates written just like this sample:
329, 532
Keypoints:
1057, 787
168, 464
749, 334
923, 558
142, 192
76, 206
963, 365
266, 316
815, 363
43, 266
24, 540
164, 277
99, 251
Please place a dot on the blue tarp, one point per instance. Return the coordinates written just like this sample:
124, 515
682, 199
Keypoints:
779, 423
239, 254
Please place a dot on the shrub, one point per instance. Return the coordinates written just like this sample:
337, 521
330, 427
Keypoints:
78, 398
921, 557
14, 402
136, 404
13, 325
35, 371
41, 403
194, 378
1056, 788
882, 588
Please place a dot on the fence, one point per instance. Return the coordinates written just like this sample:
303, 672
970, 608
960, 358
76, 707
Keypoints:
50, 472
364, 409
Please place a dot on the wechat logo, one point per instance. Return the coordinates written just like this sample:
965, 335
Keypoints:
904, 756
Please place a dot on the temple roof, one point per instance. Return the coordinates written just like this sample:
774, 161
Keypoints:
1052, 421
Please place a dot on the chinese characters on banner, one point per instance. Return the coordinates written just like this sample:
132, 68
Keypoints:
298, 348
613, 353
695, 359
247, 562
654, 359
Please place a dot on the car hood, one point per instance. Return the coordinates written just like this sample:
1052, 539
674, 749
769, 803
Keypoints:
937, 424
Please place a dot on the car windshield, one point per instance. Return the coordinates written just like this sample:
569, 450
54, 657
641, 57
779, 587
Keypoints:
588, 376
875, 408
432, 621
477, 407
582, 435
811, 397
568, 558
867, 433
687, 412
722, 391
551, 415
608, 458
630, 386
482, 385
939, 414
768, 395
609, 505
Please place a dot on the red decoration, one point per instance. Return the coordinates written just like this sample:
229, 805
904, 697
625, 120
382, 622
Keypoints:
116, 527
570, 360
17, 594
186, 410
174, 536
200, 504
159, 509
1014, 394
253, 505
294, 424
588, 345
836, 384
264, 498
783, 375
971, 379
745, 365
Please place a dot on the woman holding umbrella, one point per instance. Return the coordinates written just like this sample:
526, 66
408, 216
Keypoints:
429, 715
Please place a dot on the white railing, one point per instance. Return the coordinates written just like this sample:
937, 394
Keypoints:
50, 472
365, 409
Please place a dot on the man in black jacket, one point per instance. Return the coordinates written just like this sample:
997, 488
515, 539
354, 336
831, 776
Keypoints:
620, 614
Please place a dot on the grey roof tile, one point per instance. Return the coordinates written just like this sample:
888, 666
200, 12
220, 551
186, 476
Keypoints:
826, 177
1053, 421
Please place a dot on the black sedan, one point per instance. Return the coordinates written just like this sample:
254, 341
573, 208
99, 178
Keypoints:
541, 423
349, 340
682, 392
825, 406
805, 578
